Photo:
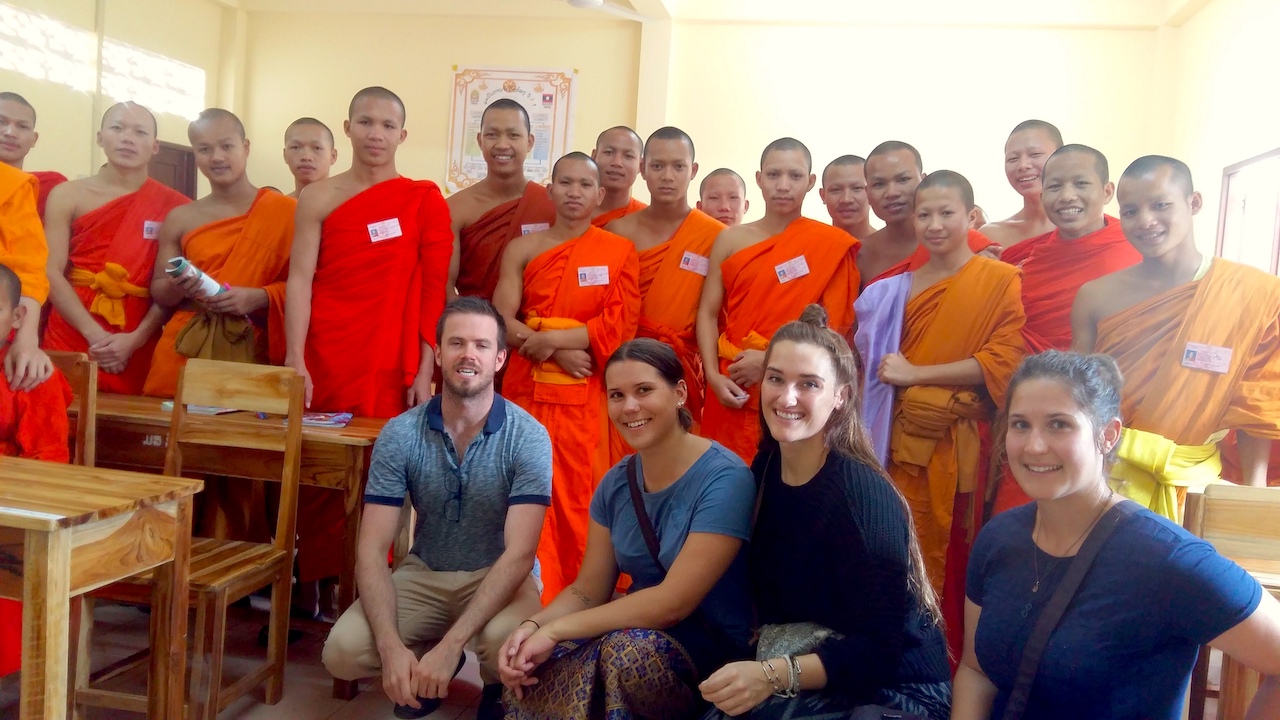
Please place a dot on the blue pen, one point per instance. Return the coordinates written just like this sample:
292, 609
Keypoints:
262, 416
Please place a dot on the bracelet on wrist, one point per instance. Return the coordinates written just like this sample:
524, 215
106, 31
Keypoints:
531, 620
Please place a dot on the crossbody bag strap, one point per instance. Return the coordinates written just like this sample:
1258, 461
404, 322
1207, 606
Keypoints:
642, 515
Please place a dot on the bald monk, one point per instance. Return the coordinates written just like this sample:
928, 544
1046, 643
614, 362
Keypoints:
1197, 339
367, 277
893, 170
723, 196
502, 206
23, 251
570, 298
961, 342
762, 275
1029, 145
618, 152
844, 192
309, 152
102, 234
17, 136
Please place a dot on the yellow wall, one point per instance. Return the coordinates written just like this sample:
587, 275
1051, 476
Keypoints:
310, 64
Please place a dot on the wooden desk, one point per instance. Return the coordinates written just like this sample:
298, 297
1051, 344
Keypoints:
66, 530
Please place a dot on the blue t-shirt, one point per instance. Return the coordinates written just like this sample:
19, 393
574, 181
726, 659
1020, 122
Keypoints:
716, 495
1125, 647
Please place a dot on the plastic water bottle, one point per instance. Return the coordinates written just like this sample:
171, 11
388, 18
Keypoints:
181, 267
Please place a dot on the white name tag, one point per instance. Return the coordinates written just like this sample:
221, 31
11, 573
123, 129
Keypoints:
593, 275
693, 262
150, 229
534, 227
791, 269
384, 230
1213, 358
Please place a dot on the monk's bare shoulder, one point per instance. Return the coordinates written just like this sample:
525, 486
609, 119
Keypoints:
524, 248
185, 218
627, 225
739, 237
466, 206
324, 196
1004, 232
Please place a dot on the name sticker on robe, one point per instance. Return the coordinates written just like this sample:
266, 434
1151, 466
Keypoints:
384, 230
534, 227
1213, 358
791, 269
693, 262
592, 275
150, 229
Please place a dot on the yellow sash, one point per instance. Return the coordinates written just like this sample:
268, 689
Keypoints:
112, 285
1151, 468
753, 341
549, 371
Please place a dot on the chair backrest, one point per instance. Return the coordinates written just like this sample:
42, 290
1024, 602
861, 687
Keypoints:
250, 388
1242, 523
82, 375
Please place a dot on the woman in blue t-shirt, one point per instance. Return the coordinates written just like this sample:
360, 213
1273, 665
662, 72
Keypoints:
1154, 594
687, 501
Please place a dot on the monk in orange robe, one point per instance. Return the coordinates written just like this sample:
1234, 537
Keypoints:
239, 236
570, 298
618, 152
1025, 152
309, 152
844, 192
723, 196
504, 205
23, 250
761, 276
961, 342
367, 278
17, 136
102, 234
1197, 339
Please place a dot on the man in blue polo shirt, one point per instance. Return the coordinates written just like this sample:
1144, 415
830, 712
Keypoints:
478, 470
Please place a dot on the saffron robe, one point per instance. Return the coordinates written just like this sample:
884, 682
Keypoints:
761, 294
111, 255
250, 250
633, 205
977, 243
22, 245
483, 241
48, 181
573, 409
1232, 307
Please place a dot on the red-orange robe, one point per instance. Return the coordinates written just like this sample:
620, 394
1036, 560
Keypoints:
633, 205
22, 245
483, 241
572, 409
250, 250
373, 302
114, 247
757, 302
48, 181
977, 243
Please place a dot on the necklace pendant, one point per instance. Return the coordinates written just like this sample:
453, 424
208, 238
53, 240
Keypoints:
1036, 588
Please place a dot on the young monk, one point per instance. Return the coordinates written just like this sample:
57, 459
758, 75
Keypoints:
1196, 339
102, 233
367, 278
1025, 152
723, 196
309, 152
844, 192
17, 136
618, 152
23, 250
502, 206
961, 341
760, 276
570, 298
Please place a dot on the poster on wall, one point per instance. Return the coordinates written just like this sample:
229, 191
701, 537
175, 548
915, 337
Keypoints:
548, 96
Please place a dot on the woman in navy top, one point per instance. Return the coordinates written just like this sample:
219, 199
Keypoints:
1125, 647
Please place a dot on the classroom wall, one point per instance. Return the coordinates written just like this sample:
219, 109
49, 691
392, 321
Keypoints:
311, 64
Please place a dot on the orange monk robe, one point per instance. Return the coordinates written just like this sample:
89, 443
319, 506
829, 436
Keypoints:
112, 253
48, 181
22, 245
573, 409
377, 293
939, 442
483, 241
977, 243
766, 286
250, 250
633, 205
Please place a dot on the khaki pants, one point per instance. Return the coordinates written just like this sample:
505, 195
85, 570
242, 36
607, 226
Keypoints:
427, 605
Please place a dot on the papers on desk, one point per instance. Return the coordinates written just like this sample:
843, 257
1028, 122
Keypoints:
311, 419
167, 406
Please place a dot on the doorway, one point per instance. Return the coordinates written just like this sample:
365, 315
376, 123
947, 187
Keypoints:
175, 167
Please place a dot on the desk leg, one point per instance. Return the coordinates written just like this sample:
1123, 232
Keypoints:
46, 597
166, 686
354, 489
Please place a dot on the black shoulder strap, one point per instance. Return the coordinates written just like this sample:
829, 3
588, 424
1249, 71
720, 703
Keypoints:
1052, 613
637, 503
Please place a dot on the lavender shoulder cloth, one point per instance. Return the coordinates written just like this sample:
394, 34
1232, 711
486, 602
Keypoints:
880, 309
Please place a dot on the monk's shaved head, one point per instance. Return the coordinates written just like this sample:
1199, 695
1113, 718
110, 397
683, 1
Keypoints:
893, 146
787, 144
1046, 127
508, 104
948, 179
622, 128
376, 92
14, 97
670, 133
721, 172
1149, 164
129, 105
212, 115
576, 157
311, 122
1099, 160
10, 286
842, 161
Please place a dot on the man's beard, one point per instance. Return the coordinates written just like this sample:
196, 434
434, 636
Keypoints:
481, 385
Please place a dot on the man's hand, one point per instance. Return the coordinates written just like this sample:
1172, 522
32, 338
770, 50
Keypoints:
399, 666
538, 347
237, 301
512, 677
747, 368
436, 669
26, 365
112, 353
727, 391
575, 362
895, 370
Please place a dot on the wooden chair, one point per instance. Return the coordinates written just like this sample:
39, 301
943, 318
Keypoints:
1242, 523
222, 571
82, 375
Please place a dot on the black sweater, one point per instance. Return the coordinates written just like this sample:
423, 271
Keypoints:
834, 551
